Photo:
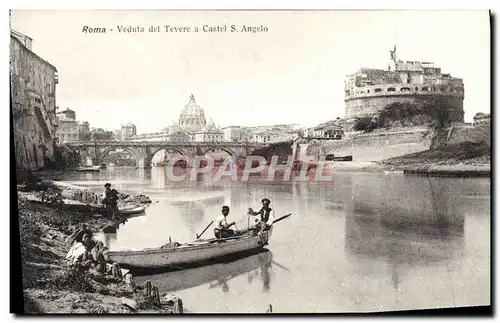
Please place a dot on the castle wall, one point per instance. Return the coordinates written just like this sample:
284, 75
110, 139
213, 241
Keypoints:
373, 146
371, 99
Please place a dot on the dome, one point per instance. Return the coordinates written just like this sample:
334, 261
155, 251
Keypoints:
192, 116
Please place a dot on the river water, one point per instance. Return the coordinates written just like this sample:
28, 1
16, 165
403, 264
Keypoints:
363, 242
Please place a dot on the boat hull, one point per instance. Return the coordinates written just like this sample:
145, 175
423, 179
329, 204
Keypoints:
189, 253
131, 211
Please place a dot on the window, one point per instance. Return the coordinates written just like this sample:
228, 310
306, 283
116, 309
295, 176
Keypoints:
425, 88
405, 89
391, 89
378, 90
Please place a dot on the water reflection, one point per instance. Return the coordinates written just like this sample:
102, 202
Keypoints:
216, 275
426, 230
363, 242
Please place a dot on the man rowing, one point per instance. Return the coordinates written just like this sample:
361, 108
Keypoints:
222, 226
266, 219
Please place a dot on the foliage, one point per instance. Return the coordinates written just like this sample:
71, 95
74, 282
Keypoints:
435, 112
66, 158
101, 134
367, 124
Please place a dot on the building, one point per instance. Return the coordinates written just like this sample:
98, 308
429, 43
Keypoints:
84, 131
481, 118
192, 117
232, 133
118, 134
191, 126
210, 133
370, 90
33, 83
69, 129
68, 126
128, 130
333, 129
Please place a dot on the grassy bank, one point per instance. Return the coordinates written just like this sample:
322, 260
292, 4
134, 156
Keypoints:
465, 156
50, 285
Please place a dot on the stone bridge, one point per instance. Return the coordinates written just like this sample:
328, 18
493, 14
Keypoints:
144, 151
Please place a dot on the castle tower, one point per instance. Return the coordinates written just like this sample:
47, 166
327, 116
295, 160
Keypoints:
370, 90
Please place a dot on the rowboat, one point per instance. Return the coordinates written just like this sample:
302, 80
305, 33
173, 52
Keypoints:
190, 253
393, 172
221, 272
132, 209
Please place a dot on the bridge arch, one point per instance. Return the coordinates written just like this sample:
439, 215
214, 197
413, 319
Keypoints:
167, 147
227, 150
180, 151
107, 150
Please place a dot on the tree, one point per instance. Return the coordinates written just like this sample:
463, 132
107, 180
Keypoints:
101, 134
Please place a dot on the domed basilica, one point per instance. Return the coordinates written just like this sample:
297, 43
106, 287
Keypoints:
193, 126
192, 118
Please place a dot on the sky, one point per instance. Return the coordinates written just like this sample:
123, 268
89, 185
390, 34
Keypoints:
293, 73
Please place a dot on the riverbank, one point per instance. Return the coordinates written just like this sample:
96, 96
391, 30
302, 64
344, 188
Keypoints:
463, 159
50, 285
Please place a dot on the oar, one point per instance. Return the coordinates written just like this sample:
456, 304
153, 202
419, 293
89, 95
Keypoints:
282, 218
281, 266
198, 236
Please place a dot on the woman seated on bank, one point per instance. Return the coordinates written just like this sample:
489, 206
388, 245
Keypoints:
87, 253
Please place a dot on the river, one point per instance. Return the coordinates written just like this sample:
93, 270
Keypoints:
363, 242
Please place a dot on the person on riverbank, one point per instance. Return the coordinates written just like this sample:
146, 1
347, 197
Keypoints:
87, 253
110, 200
266, 219
222, 226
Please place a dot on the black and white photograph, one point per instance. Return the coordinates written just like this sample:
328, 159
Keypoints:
180, 162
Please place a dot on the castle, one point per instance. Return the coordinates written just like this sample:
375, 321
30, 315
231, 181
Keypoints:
370, 90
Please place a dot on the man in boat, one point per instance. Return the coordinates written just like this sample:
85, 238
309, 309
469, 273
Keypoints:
266, 215
222, 226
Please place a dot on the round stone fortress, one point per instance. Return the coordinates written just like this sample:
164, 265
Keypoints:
192, 117
370, 90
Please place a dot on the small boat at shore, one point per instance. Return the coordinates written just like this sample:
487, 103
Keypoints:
190, 253
88, 169
132, 209
393, 172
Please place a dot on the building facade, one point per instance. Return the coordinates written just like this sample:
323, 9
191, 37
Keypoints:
128, 130
70, 129
232, 133
209, 134
33, 102
368, 91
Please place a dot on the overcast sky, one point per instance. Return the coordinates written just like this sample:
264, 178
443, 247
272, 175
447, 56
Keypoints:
293, 73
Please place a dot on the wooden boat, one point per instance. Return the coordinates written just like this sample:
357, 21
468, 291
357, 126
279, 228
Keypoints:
191, 253
132, 209
89, 169
393, 172
223, 271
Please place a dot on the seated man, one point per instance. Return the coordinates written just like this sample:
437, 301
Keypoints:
266, 219
222, 227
